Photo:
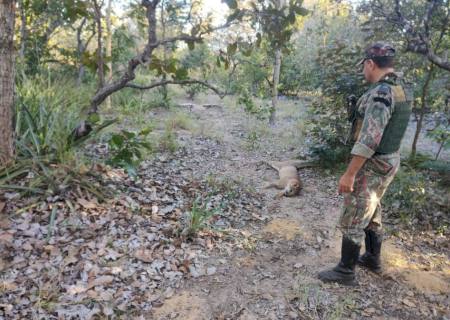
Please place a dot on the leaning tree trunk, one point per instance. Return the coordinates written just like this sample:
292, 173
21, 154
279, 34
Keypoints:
423, 101
142, 58
7, 16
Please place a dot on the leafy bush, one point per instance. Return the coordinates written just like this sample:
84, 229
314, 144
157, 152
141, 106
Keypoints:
441, 135
415, 198
328, 124
48, 161
408, 195
193, 90
328, 129
45, 118
260, 111
126, 149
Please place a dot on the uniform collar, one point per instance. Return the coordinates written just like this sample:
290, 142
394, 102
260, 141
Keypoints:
390, 77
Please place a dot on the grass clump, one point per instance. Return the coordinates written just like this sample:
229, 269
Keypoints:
168, 141
197, 218
179, 120
311, 301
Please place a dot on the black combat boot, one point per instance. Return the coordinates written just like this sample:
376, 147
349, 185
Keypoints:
371, 259
344, 272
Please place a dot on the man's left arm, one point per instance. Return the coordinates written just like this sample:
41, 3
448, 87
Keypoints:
376, 118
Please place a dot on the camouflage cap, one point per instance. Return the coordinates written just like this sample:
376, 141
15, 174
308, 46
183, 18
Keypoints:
378, 49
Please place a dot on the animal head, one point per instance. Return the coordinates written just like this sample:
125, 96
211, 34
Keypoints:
292, 188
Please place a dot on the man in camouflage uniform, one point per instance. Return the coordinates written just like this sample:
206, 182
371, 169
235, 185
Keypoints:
382, 115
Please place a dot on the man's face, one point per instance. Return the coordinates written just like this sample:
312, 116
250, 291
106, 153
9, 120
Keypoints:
368, 69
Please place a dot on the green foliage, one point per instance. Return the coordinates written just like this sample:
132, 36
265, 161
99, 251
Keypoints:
275, 23
126, 149
46, 115
43, 18
259, 110
48, 160
441, 135
198, 217
132, 102
408, 195
168, 140
179, 120
123, 44
224, 186
328, 129
256, 132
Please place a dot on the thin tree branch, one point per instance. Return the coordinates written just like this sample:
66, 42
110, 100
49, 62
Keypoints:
178, 82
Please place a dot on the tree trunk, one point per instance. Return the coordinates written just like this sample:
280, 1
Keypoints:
423, 101
276, 73
275, 82
80, 50
7, 16
81, 72
100, 60
163, 36
109, 49
23, 30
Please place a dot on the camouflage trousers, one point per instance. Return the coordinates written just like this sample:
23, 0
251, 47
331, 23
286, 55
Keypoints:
362, 208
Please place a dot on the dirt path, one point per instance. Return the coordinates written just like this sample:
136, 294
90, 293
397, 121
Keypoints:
270, 271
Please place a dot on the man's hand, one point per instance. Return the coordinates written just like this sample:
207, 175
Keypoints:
346, 183
348, 178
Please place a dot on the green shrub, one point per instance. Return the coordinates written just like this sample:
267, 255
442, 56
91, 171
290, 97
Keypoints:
328, 130
441, 135
126, 149
261, 111
408, 195
48, 158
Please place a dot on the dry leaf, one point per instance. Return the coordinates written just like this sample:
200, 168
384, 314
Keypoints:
370, 310
144, 255
100, 281
2, 206
258, 217
76, 289
7, 237
409, 303
87, 204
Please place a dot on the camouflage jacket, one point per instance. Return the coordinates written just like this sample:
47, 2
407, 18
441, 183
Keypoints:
374, 110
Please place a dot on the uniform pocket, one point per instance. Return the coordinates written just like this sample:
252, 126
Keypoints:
379, 166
